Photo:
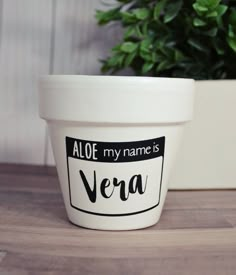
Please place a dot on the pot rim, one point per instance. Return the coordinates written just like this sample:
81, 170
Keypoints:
116, 99
68, 81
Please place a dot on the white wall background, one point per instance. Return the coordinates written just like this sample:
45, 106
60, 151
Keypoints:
61, 37
41, 37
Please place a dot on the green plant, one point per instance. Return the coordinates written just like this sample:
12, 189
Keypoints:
178, 38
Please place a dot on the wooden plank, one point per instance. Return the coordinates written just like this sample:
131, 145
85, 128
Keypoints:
6, 168
44, 206
195, 234
230, 216
32, 197
172, 264
217, 199
12, 271
2, 255
24, 55
81, 243
54, 215
52, 236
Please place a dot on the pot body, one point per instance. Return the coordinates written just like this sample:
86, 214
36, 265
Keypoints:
114, 161
117, 211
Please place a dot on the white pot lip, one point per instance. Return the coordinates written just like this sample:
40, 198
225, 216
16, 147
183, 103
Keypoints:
74, 81
116, 99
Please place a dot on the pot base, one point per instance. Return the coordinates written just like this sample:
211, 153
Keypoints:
114, 229
147, 219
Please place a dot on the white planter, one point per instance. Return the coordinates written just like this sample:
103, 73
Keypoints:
207, 154
114, 141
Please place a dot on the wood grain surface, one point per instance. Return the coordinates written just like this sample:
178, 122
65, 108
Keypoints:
196, 233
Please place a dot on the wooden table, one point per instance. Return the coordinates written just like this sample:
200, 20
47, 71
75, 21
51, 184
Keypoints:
196, 233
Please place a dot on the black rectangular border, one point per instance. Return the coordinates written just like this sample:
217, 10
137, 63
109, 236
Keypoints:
120, 214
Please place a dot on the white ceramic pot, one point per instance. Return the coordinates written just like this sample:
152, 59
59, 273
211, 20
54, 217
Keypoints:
114, 140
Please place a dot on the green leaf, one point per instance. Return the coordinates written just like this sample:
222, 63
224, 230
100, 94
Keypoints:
120, 59
158, 8
210, 4
232, 18
129, 31
211, 14
167, 38
213, 3
179, 56
147, 56
141, 13
154, 57
147, 67
212, 32
146, 45
221, 9
128, 47
168, 52
129, 59
198, 45
218, 45
219, 22
133, 31
114, 61
172, 10
232, 43
105, 68
218, 65
161, 42
164, 65
199, 9
103, 17
145, 28
116, 48
197, 22
138, 31
128, 18
231, 31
